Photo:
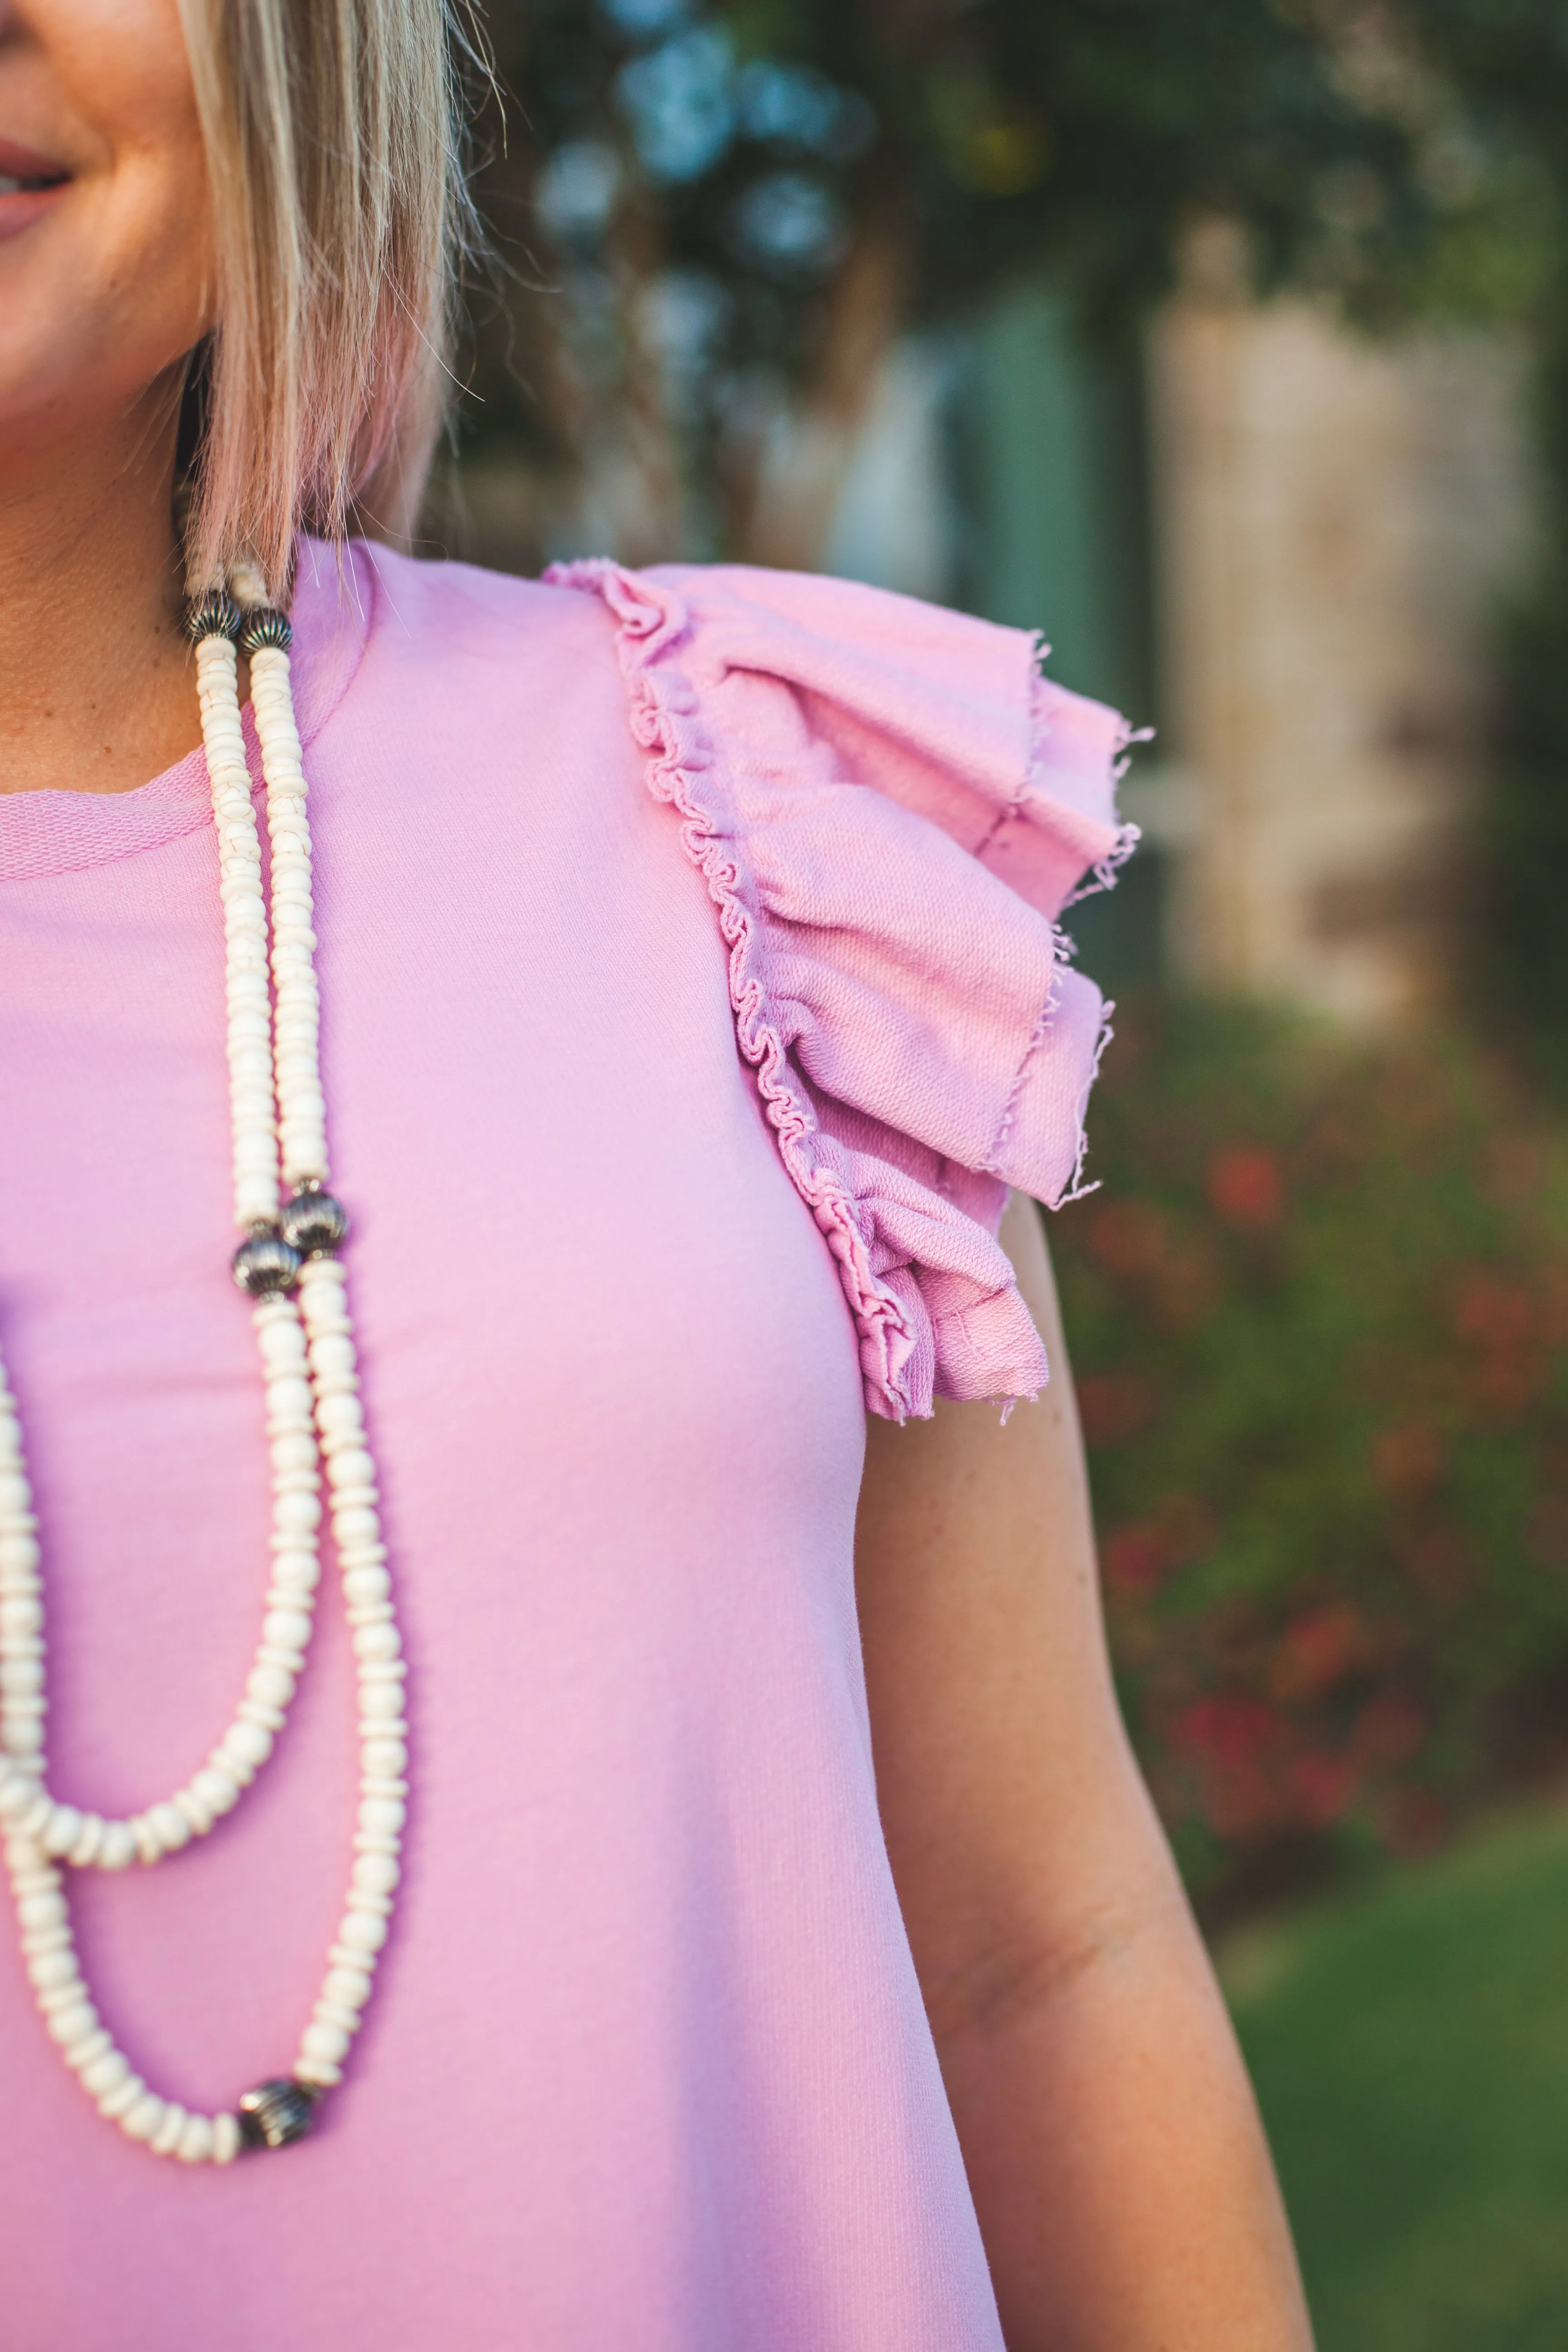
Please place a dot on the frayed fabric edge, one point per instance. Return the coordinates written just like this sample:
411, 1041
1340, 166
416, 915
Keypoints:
1078, 1190
1062, 954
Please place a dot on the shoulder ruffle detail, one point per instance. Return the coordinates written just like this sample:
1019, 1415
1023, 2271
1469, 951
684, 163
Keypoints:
890, 807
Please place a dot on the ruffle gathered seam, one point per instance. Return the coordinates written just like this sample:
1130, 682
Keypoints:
665, 720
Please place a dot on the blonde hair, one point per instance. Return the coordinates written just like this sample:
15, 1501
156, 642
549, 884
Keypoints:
332, 134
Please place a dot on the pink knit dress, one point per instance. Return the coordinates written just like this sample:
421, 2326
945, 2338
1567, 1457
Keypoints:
690, 995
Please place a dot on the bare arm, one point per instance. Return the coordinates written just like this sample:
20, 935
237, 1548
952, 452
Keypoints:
1118, 2166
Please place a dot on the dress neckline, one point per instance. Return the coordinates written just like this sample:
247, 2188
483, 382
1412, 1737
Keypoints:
52, 832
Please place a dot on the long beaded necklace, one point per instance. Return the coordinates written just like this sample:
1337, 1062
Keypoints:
287, 1264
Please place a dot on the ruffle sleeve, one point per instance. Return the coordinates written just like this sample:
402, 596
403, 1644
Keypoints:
890, 807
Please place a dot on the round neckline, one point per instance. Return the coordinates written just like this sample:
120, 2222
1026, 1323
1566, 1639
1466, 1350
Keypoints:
54, 832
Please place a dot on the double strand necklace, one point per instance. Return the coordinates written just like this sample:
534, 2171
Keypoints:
287, 1262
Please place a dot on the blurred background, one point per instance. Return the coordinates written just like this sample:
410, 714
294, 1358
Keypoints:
1225, 342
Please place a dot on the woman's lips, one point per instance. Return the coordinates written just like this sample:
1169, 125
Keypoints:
19, 163
29, 184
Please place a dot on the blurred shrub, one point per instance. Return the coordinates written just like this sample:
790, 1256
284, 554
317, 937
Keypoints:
1318, 1314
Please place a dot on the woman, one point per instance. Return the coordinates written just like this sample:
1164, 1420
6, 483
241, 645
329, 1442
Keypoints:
652, 2032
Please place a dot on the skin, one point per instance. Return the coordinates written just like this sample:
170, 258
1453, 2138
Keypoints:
105, 286
1119, 2170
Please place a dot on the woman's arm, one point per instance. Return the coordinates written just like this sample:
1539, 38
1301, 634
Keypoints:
1115, 2155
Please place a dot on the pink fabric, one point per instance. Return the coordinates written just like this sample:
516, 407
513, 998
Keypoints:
858, 773
649, 2067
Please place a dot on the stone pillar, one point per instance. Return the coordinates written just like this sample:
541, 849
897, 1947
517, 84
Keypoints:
1338, 519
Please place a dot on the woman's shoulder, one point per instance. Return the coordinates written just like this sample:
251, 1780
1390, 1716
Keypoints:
890, 805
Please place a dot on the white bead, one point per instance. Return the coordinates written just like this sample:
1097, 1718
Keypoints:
297, 1571
81, 2053
294, 1451
282, 1343
38, 1912
67, 2025
125, 2094
273, 1686
118, 1850
378, 1642
317, 2071
350, 1466
61, 1830
386, 1815
166, 2138
286, 1629
196, 2141
341, 1416
16, 1498
350, 1525
106, 2074
88, 1846
298, 1514
348, 1988
362, 1931
366, 1585
383, 1727
387, 1757
218, 1790
169, 1826
52, 1968
289, 1398
327, 2013
17, 1796
225, 2138
374, 1874
249, 1742
380, 1702
31, 1823
142, 2119
326, 2041
197, 1814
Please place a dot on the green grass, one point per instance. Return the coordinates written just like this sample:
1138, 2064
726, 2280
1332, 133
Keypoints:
1410, 2048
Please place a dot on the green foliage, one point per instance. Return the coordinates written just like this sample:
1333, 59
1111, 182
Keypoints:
748, 151
1319, 1313
1409, 2046
1505, 61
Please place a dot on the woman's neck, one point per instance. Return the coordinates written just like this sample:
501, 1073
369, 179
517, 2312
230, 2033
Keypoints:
97, 689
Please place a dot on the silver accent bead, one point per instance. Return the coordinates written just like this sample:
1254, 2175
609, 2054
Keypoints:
314, 1223
275, 2112
265, 1266
264, 626
215, 614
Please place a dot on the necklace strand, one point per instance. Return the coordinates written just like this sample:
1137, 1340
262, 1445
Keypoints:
286, 1262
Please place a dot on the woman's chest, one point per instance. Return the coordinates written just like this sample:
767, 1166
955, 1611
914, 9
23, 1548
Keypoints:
608, 1368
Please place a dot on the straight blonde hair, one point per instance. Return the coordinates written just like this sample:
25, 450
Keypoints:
332, 133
